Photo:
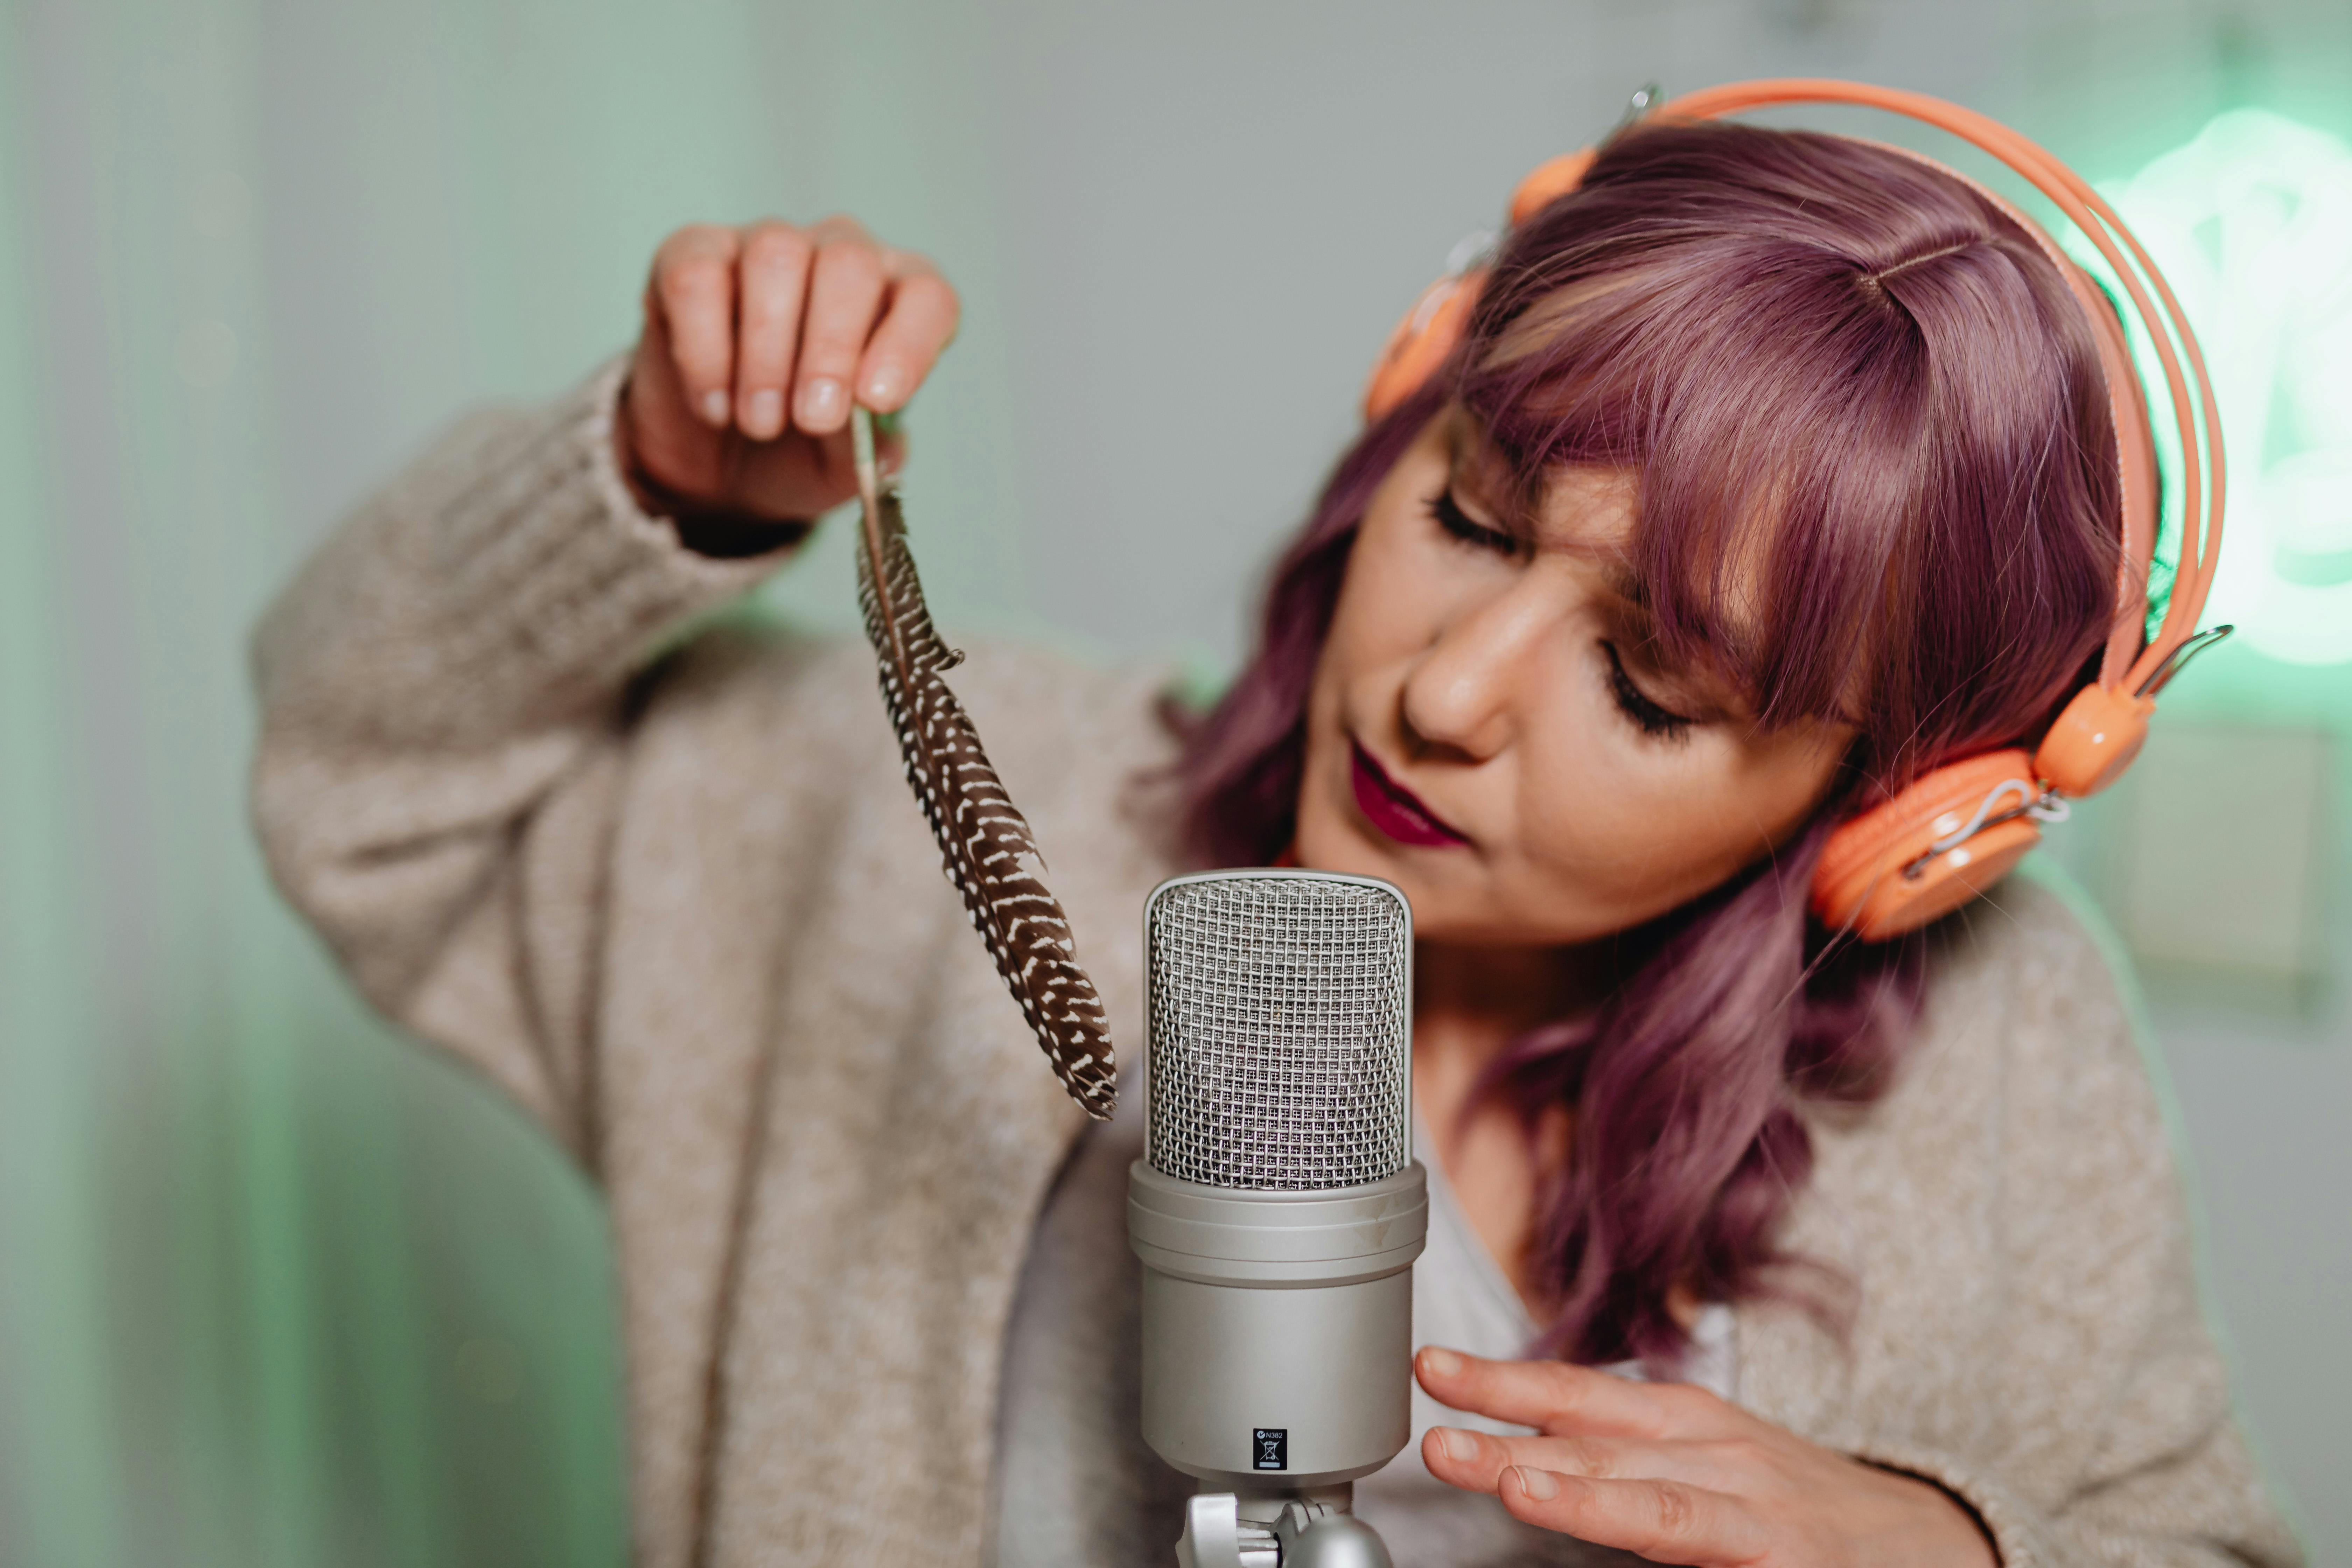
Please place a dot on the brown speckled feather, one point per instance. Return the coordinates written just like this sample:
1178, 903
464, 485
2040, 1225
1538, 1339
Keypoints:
986, 844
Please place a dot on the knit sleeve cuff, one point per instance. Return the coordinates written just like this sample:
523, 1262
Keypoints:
2020, 1537
552, 573
506, 578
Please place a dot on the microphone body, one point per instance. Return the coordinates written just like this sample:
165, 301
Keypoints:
1277, 1328
1277, 1210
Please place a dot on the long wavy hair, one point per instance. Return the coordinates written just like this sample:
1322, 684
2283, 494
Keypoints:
1877, 479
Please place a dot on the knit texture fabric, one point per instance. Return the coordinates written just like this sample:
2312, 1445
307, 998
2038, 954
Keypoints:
671, 894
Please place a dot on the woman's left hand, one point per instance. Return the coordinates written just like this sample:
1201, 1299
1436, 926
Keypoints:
1672, 1472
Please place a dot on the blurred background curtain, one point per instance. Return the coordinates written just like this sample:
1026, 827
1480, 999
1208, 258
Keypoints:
278, 1287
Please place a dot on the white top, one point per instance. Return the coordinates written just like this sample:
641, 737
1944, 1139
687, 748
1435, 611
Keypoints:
1462, 1300
1075, 1484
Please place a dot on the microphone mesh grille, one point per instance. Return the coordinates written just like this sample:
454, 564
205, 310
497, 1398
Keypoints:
1280, 1030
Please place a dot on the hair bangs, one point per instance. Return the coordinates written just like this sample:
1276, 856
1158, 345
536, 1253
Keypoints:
1760, 554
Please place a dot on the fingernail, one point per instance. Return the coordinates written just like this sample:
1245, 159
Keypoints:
1540, 1485
882, 387
1458, 1443
765, 416
820, 402
1445, 1363
714, 407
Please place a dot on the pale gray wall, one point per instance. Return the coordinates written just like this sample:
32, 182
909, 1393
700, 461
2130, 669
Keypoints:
272, 1243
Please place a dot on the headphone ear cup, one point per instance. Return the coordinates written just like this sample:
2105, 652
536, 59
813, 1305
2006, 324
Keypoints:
1549, 181
1420, 342
1866, 879
2098, 734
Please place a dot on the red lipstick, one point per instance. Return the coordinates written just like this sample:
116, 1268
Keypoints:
1394, 809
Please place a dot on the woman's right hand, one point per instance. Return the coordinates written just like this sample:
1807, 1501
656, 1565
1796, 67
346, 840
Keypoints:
755, 340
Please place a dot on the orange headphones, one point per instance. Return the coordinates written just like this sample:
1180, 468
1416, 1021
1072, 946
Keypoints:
1959, 827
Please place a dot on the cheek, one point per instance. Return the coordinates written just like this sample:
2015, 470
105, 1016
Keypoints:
1402, 575
1635, 827
1374, 628
1392, 602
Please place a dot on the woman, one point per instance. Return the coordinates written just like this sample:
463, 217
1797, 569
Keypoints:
1773, 469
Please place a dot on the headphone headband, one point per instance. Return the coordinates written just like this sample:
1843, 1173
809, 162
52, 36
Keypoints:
2203, 473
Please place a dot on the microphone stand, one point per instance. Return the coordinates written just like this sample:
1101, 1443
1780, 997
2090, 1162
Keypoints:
1313, 1529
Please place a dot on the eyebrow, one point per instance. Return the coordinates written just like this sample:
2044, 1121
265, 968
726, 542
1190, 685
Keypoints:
1620, 581
1473, 464
1623, 583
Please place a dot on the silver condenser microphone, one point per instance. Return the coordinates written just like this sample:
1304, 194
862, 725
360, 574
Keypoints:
1277, 1209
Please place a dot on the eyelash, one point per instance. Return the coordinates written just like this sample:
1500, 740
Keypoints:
1646, 715
1462, 526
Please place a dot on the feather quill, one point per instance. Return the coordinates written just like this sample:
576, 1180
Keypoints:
989, 852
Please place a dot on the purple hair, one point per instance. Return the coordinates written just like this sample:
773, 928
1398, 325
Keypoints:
1876, 481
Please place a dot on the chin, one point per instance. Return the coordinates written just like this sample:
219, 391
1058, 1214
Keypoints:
1332, 840
1330, 835
1328, 841
1462, 908
1451, 889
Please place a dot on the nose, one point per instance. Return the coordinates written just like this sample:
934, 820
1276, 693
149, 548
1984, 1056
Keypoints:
1463, 692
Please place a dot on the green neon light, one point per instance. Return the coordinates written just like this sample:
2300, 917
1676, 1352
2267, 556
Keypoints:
2252, 223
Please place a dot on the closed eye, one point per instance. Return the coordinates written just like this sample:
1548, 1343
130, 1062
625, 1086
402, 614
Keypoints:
1467, 529
1651, 718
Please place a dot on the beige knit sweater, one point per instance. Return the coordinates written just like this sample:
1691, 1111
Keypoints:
684, 910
